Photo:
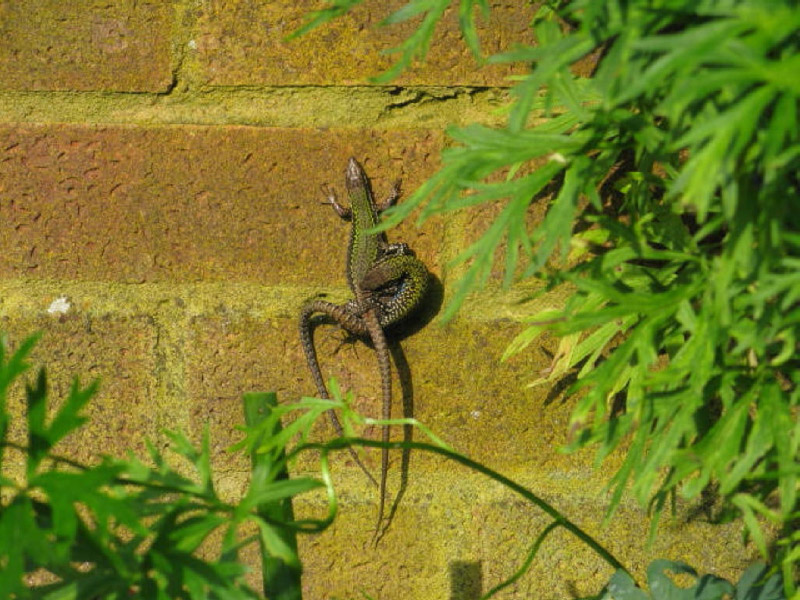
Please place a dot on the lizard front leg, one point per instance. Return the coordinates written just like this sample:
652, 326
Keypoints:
344, 212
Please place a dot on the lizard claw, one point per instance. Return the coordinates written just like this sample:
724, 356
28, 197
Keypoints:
392, 198
348, 339
344, 213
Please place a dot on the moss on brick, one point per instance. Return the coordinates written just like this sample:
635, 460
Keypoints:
85, 45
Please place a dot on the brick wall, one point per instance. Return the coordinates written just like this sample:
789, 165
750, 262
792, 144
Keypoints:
160, 167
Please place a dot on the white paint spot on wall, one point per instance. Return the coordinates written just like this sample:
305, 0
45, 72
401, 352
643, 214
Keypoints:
59, 306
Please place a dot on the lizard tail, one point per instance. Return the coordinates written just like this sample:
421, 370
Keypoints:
307, 341
347, 321
384, 367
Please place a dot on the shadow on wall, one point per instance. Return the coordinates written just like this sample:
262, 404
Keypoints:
466, 580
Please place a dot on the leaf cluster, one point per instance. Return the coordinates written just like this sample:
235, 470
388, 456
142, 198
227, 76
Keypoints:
133, 528
755, 584
671, 178
415, 47
123, 528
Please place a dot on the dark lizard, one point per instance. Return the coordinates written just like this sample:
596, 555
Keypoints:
388, 282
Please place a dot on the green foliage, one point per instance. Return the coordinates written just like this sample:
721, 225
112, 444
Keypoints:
259, 440
335, 8
672, 182
121, 528
280, 566
415, 47
755, 584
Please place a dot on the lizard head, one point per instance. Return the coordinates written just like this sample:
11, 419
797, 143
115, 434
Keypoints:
354, 177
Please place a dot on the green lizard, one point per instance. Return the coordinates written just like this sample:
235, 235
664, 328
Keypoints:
388, 282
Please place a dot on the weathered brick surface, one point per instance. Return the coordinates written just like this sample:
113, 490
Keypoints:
120, 352
228, 355
452, 381
464, 392
85, 45
466, 397
565, 567
188, 251
451, 533
191, 203
241, 42
410, 565
449, 523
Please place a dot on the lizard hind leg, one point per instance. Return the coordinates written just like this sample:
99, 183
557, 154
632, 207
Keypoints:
349, 337
398, 282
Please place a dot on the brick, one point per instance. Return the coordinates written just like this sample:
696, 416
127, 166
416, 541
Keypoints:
410, 562
481, 405
475, 403
455, 531
241, 42
85, 45
229, 355
187, 204
226, 358
565, 567
121, 353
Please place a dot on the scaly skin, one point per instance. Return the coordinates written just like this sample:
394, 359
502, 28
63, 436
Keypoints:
388, 282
